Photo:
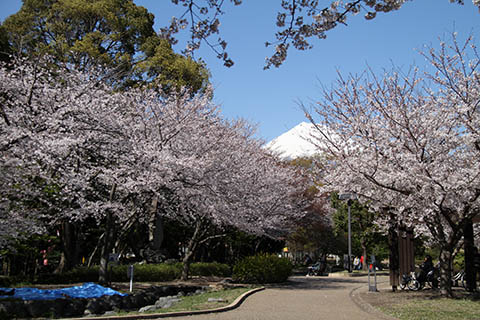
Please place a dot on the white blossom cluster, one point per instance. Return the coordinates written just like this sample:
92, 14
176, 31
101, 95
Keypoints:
72, 148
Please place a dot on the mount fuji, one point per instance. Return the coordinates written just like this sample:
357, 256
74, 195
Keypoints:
295, 143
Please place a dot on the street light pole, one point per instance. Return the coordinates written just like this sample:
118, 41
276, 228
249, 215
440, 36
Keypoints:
350, 197
349, 203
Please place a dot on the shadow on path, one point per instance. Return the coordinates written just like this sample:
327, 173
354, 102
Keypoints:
316, 283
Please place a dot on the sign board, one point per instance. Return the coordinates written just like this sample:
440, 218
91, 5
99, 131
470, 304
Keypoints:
372, 285
113, 257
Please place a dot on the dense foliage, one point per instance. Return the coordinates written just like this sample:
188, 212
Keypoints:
115, 34
365, 232
141, 273
262, 268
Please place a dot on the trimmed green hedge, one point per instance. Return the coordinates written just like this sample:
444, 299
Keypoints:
141, 273
79, 274
262, 268
146, 272
210, 269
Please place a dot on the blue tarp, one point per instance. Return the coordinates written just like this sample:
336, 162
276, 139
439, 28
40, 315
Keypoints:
87, 290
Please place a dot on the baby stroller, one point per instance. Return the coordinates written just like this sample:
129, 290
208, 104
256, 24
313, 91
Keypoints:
317, 269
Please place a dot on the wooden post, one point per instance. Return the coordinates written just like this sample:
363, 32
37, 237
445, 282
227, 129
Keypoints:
405, 248
394, 254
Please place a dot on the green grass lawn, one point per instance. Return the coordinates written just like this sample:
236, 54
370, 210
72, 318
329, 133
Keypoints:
200, 302
438, 309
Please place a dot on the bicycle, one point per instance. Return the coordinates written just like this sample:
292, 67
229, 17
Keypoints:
417, 280
409, 281
459, 278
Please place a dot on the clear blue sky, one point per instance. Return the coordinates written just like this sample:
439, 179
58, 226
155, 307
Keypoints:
270, 98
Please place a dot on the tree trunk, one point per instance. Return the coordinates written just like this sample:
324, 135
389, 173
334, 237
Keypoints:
104, 255
394, 256
107, 244
187, 260
71, 241
61, 264
122, 232
94, 252
155, 227
6, 266
257, 245
469, 247
159, 233
364, 253
446, 257
191, 248
69, 255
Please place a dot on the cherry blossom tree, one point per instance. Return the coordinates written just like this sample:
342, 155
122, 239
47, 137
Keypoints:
225, 178
298, 22
75, 149
76, 140
409, 143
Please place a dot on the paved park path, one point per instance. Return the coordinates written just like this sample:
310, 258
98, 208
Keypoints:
302, 298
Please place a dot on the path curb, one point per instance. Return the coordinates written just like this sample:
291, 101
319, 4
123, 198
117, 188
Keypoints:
365, 306
235, 304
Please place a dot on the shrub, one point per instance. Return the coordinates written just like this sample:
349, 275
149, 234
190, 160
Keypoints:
141, 273
82, 274
5, 282
459, 261
78, 274
262, 268
150, 272
210, 269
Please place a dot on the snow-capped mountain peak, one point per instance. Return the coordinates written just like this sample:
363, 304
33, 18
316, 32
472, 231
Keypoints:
296, 142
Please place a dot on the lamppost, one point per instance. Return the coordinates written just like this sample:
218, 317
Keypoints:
350, 197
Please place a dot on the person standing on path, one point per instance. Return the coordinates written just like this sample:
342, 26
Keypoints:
356, 264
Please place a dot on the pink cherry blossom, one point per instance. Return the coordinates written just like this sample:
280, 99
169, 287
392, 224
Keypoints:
409, 143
